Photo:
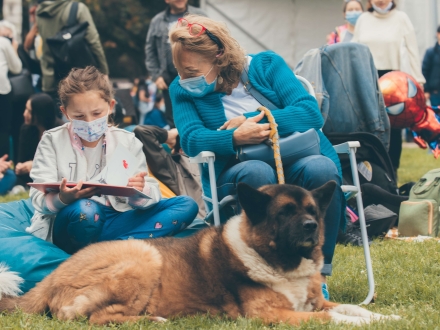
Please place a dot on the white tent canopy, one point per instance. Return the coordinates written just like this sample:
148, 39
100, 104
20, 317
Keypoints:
292, 27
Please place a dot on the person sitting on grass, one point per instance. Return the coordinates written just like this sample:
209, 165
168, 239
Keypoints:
7, 175
77, 152
39, 116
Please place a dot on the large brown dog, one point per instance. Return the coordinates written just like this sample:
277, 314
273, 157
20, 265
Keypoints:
263, 264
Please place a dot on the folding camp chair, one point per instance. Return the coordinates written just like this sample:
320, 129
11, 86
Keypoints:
349, 191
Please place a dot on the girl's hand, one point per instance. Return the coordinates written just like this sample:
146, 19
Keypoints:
70, 195
233, 123
137, 181
250, 132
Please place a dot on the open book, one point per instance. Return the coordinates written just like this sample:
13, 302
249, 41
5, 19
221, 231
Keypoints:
112, 180
105, 189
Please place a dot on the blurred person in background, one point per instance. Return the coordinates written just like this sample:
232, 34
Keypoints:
431, 71
7, 175
39, 116
156, 116
352, 10
146, 97
159, 60
51, 18
9, 62
390, 35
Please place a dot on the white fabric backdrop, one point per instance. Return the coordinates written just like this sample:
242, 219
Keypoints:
292, 27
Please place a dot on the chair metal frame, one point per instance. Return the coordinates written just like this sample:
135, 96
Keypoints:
208, 157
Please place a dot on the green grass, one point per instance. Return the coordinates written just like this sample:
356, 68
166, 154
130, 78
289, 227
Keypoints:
407, 279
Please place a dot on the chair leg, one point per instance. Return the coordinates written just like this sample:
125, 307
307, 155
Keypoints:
214, 197
363, 227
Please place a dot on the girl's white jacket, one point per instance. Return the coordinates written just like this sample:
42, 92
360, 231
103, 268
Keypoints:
59, 155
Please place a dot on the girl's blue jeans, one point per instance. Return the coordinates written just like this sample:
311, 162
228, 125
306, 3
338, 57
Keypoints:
86, 221
310, 173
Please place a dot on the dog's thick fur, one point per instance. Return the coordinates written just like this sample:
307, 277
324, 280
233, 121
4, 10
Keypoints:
263, 264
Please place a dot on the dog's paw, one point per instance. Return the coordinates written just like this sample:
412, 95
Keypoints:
157, 319
341, 318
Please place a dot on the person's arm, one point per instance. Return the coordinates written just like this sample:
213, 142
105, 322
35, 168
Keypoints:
413, 52
28, 43
298, 110
12, 60
44, 169
151, 187
194, 136
427, 68
92, 37
151, 56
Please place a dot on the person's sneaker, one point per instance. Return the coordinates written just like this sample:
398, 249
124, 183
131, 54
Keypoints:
351, 236
18, 189
325, 292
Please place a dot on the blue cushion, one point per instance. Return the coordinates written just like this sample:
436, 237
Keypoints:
24, 253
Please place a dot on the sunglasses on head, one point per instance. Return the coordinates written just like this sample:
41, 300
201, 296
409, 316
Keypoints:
196, 30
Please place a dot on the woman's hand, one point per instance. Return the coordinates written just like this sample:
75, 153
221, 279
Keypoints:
23, 168
70, 195
233, 123
250, 132
137, 181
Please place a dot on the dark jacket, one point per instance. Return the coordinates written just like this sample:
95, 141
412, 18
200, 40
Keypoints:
51, 18
158, 56
431, 69
346, 85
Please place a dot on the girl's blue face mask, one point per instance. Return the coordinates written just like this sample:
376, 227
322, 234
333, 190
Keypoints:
198, 86
352, 16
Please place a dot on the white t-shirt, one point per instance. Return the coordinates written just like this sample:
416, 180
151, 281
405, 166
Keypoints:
93, 156
240, 101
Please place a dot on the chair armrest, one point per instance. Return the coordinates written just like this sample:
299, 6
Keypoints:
202, 157
344, 148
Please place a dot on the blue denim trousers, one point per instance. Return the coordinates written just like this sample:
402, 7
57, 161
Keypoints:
7, 182
86, 221
435, 99
310, 173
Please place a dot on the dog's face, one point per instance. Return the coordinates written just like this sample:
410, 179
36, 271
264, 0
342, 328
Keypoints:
285, 222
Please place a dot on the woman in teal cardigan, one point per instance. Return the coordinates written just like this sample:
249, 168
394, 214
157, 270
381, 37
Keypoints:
214, 112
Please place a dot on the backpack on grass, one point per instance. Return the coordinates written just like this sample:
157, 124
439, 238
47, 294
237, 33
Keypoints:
420, 214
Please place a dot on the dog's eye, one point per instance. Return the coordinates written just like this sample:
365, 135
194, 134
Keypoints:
311, 210
288, 209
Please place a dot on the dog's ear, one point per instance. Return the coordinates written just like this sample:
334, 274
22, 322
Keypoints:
253, 202
323, 195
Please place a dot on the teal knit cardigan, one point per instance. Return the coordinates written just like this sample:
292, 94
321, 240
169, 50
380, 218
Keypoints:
197, 119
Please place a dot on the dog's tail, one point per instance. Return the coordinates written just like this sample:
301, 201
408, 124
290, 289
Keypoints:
32, 302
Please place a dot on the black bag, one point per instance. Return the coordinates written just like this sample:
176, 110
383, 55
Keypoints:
21, 86
69, 47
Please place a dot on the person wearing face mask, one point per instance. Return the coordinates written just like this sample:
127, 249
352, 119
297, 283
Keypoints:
213, 111
352, 10
77, 151
390, 36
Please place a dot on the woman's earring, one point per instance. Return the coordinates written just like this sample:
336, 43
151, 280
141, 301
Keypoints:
220, 80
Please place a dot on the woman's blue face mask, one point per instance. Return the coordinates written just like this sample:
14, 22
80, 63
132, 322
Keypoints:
198, 86
352, 16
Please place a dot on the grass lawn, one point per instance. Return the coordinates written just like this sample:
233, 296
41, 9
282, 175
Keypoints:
407, 282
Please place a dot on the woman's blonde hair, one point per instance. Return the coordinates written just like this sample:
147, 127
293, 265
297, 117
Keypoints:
230, 59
